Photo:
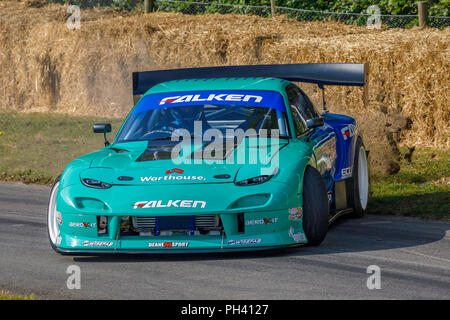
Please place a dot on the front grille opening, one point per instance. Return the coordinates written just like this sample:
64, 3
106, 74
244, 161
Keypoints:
171, 225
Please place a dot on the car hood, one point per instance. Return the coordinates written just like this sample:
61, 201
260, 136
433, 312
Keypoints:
145, 163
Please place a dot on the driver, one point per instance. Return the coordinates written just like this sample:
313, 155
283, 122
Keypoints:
185, 117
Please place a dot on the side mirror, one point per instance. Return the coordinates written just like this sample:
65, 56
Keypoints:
103, 128
314, 122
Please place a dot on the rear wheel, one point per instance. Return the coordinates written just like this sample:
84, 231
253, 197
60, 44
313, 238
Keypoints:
53, 217
315, 207
360, 181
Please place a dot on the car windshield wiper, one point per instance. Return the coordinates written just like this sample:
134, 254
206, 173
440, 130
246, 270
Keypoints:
170, 138
161, 138
284, 137
269, 136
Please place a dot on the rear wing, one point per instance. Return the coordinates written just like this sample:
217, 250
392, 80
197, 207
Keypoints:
340, 74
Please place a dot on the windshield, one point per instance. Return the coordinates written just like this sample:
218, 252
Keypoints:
160, 116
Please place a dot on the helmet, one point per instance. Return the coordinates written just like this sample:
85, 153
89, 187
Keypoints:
187, 114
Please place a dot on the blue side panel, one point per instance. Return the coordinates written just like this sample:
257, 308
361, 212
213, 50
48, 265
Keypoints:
325, 153
346, 135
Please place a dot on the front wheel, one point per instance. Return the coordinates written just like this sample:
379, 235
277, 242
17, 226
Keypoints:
315, 207
53, 217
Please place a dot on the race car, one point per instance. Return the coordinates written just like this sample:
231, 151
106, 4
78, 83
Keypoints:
216, 159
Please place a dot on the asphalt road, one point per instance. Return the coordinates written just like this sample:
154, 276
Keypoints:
413, 256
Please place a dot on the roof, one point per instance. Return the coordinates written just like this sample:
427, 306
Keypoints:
254, 83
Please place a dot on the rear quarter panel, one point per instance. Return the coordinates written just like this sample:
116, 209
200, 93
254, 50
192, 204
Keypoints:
346, 135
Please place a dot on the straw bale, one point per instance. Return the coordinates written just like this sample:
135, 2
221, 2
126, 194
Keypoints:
45, 66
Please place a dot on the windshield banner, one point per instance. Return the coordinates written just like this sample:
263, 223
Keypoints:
267, 99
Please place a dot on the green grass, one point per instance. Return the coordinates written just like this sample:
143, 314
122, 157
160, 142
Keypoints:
35, 148
421, 188
4, 295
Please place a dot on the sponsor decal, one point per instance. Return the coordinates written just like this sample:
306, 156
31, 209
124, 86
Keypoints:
267, 99
295, 213
346, 172
348, 131
168, 178
180, 171
170, 203
168, 244
244, 241
97, 243
82, 225
59, 218
212, 97
261, 221
297, 237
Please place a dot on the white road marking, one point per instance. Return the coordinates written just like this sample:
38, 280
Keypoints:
380, 258
425, 255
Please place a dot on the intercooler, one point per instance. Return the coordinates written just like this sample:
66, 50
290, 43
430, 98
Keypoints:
176, 223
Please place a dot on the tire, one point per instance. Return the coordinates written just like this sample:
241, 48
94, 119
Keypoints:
52, 222
315, 207
360, 182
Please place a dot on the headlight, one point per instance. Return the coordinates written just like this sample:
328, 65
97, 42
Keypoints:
255, 180
92, 183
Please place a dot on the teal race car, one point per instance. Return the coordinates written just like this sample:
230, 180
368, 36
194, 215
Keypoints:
216, 159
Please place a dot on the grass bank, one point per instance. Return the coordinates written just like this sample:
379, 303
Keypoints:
35, 148
421, 188
5, 295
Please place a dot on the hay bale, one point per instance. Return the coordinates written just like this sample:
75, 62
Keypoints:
47, 67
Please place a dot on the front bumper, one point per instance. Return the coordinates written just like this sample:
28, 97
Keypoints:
193, 244
267, 224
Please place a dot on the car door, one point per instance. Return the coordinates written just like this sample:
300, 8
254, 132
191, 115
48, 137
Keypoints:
324, 136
